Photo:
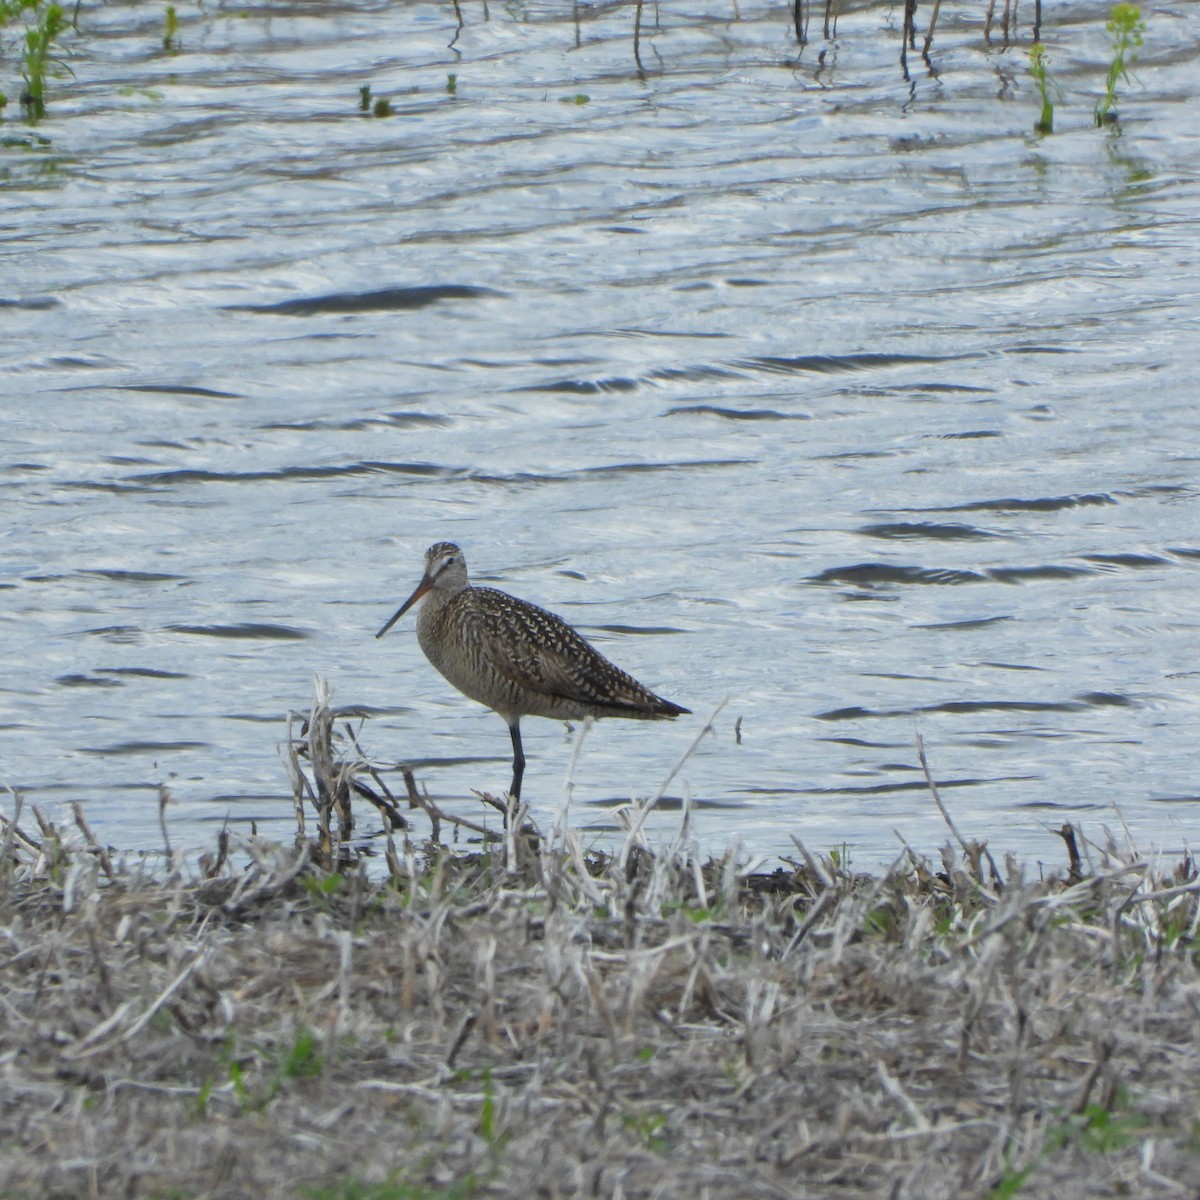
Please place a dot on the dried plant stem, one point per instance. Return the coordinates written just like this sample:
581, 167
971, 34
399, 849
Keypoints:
642, 811
937, 799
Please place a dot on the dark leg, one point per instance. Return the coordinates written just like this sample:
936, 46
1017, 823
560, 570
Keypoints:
514, 728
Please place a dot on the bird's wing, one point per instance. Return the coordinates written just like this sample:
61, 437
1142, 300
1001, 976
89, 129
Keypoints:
539, 651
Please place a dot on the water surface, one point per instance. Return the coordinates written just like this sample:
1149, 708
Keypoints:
784, 378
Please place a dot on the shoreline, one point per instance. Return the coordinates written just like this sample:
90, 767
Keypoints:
534, 1021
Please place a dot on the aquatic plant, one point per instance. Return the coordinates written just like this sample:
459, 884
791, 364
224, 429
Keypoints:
170, 30
39, 39
1038, 60
379, 106
1127, 30
13, 8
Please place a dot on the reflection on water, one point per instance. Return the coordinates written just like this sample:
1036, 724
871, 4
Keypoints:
784, 379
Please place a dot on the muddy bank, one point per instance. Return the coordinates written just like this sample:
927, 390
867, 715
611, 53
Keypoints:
531, 1021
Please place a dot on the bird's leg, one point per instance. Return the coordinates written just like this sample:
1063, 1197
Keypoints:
514, 728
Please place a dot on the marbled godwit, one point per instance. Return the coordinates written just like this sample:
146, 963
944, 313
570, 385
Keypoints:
516, 658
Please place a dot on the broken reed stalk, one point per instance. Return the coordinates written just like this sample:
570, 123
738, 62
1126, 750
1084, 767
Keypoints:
331, 778
99, 851
800, 21
12, 830
1008, 19
908, 35
563, 815
937, 799
641, 811
933, 17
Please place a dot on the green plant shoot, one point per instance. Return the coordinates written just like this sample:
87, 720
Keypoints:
1127, 30
1038, 62
171, 30
13, 8
38, 42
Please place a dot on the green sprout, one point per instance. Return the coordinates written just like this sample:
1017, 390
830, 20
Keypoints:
39, 39
1127, 29
13, 8
378, 106
1038, 62
171, 30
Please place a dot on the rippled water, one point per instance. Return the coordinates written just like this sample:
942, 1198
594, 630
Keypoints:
784, 378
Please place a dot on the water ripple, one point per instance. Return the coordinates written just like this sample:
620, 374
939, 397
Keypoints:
244, 631
396, 299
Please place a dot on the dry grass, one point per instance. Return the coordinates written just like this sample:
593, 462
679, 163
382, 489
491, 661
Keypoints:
535, 1022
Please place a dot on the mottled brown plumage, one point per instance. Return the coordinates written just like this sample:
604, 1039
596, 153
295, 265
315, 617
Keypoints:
516, 658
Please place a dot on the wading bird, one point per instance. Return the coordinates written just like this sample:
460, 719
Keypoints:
516, 658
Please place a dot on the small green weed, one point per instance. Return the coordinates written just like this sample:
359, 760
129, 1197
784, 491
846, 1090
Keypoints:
579, 98
378, 107
14, 8
1175, 925
203, 1095
39, 41
650, 1128
487, 1112
695, 913
1127, 30
880, 920
321, 886
1097, 1130
140, 93
163, 1021
452, 84
1012, 1181
299, 1061
171, 30
1038, 62
237, 1078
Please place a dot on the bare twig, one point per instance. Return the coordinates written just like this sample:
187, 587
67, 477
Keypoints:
99, 851
641, 811
958, 837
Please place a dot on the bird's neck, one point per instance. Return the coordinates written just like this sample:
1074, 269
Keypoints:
434, 604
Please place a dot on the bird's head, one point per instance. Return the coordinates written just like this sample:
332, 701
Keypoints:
445, 570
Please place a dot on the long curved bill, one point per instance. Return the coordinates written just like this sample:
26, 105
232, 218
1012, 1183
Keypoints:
422, 587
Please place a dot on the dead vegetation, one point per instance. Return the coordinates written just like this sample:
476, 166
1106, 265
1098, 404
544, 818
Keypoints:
536, 1021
